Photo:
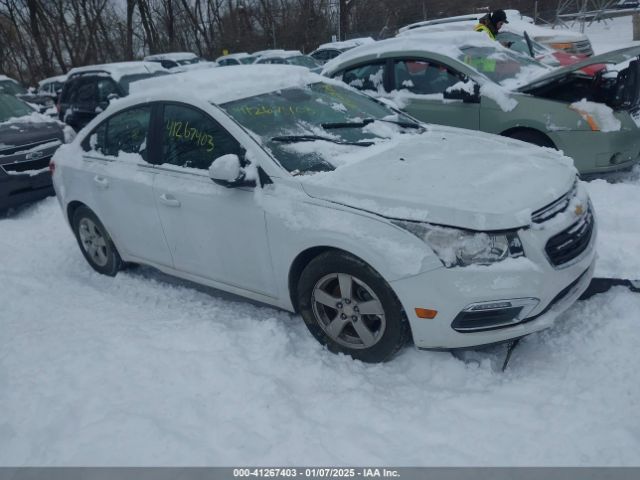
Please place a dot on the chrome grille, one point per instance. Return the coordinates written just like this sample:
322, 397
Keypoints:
571, 242
556, 207
27, 165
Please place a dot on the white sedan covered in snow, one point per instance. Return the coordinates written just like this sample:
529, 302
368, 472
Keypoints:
298, 191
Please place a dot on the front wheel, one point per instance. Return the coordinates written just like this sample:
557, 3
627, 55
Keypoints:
95, 243
349, 307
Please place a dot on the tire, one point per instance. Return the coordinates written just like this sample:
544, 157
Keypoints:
534, 137
331, 292
95, 243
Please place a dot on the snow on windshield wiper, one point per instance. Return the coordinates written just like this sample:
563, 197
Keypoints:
367, 121
358, 124
311, 138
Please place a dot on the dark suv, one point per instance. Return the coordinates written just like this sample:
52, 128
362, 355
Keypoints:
27, 141
88, 90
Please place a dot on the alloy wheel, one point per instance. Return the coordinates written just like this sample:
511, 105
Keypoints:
348, 310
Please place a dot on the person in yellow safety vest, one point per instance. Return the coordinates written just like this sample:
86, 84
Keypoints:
491, 23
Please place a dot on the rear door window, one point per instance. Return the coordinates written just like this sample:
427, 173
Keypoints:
106, 87
86, 92
124, 132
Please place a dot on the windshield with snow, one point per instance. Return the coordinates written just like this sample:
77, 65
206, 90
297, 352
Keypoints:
307, 128
509, 69
12, 88
11, 107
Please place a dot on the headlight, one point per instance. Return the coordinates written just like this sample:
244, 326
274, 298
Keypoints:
561, 46
460, 248
587, 117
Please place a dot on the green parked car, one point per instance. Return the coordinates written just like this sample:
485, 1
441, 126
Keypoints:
467, 80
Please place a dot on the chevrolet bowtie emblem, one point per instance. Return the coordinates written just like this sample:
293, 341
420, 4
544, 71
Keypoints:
579, 210
34, 155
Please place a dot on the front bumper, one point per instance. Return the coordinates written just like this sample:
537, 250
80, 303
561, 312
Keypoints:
18, 189
596, 153
25, 180
451, 291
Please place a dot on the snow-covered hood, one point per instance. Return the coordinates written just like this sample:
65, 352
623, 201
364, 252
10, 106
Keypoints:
450, 177
20, 132
614, 57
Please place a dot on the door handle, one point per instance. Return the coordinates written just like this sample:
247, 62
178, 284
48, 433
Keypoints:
169, 200
101, 181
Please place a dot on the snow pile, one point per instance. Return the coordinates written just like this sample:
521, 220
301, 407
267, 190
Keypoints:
142, 369
602, 114
33, 117
618, 241
499, 95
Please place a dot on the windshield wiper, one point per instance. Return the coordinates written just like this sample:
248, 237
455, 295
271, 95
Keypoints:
367, 121
337, 125
311, 138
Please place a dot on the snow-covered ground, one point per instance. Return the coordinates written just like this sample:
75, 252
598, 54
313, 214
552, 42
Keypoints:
143, 369
609, 34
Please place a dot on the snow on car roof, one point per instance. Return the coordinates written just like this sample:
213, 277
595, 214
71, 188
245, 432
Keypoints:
221, 85
234, 55
517, 24
462, 25
447, 43
281, 54
120, 69
265, 52
346, 44
59, 78
175, 56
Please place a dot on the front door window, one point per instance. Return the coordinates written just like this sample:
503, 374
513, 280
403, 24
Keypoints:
423, 77
192, 139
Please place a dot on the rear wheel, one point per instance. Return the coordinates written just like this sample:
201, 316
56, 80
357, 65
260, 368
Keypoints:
95, 242
350, 308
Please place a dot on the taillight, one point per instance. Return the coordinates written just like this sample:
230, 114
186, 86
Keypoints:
52, 166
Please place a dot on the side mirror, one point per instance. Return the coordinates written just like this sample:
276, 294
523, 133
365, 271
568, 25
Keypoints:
112, 96
468, 92
228, 172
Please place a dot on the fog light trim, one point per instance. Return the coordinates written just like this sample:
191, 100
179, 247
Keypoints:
491, 315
